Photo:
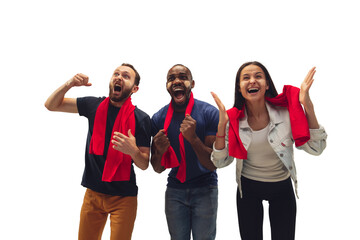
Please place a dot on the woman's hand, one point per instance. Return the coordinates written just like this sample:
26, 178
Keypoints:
304, 96
223, 117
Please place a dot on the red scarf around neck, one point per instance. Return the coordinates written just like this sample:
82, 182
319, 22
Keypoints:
169, 159
117, 165
299, 126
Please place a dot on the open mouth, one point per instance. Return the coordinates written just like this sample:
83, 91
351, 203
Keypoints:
253, 90
117, 88
179, 94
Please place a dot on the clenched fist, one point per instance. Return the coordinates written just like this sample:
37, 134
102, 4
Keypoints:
188, 127
79, 80
160, 142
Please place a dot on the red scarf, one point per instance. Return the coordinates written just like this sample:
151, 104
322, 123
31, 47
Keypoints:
299, 126
117, 165
169, 159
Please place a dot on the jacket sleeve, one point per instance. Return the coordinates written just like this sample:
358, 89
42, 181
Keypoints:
221, 158
317, 142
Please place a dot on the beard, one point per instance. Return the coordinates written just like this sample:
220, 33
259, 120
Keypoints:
125, 94
182, 106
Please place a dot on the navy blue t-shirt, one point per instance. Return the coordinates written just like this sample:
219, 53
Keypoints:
94, 164
207, 119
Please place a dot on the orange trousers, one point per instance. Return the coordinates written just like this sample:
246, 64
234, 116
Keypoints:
94, 213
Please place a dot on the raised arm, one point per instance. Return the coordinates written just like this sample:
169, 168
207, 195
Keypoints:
223, 119
318, 135
57, 100
304, 98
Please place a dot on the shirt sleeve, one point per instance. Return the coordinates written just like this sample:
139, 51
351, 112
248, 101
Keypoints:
317, 142
143, 130
212, 119
155, 124
221, 158
87, 105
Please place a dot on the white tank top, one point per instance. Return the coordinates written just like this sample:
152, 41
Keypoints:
262, 163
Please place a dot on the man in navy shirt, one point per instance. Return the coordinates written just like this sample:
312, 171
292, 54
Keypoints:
191, 194
119, 135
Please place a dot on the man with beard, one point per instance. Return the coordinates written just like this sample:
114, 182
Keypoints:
119, 135
184, 132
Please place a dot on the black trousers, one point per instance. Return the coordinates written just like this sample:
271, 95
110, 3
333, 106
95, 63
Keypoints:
282, 209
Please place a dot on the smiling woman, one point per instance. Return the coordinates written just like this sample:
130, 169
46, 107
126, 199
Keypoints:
260, 135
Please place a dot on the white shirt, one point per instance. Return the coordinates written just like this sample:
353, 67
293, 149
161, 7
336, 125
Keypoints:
263, 164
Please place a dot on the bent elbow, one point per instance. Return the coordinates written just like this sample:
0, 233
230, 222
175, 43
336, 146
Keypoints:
144, 167
47, 106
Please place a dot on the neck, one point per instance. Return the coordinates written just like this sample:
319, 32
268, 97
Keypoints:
256, 109
179, 108
258, 116
118, 104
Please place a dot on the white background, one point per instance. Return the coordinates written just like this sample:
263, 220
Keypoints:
45, 43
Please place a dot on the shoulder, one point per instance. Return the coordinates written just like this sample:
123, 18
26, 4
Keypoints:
203, 104
90, 100
205, 110
140, 114
204, 107
88, 105
161, 114
278, 114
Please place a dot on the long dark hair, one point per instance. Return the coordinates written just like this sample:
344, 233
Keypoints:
239, 99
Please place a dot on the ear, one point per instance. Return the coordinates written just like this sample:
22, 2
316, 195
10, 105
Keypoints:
193, 83
135, 89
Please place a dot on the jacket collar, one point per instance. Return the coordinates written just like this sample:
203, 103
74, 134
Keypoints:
274, 115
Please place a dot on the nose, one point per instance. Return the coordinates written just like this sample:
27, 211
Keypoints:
252, 80
118, 79
177, 81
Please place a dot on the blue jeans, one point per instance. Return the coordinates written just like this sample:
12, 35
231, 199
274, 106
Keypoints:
191, 209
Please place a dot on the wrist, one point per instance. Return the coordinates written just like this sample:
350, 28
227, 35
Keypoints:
220, 135
69, 84
193, 140
159, 153
136, 154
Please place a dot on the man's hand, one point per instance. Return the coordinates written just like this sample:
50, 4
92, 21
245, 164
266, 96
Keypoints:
187, 128
125, 144
160, 142
79, 80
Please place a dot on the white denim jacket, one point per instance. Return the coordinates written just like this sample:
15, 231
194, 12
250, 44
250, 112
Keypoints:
280, 139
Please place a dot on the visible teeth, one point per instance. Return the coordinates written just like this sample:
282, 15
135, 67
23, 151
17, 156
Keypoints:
178, 89
252, 90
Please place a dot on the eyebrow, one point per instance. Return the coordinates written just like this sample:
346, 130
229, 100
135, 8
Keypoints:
247, 74
180, 74
118, 71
